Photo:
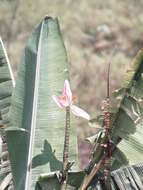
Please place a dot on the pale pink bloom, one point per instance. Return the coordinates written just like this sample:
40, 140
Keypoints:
66, 100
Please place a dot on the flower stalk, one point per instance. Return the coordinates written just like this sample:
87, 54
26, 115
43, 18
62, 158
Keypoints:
66, 151
66, 101
66, 142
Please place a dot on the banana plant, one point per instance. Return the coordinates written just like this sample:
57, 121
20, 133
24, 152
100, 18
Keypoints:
35, 134
126, 133
126, 125
7, 84
35, 126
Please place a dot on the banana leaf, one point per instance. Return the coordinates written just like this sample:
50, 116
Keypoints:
125, 178
37, 126
7, 84
133, 146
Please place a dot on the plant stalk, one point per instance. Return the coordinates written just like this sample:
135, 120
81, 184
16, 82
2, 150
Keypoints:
107, 151
106, 176
66, 151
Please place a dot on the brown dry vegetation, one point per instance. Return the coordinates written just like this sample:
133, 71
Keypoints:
91, 29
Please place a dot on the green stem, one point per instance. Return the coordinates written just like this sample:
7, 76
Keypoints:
66, 150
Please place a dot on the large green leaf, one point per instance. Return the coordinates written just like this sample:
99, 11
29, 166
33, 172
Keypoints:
131, 108
133, 146
41, 74
6, 86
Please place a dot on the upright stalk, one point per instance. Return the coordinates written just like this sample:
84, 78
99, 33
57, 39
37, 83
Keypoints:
108, 149
66, 151
106, 176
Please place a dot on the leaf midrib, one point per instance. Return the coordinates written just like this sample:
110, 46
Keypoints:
34, 114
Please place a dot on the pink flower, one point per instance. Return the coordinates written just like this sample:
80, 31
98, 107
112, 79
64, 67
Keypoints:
66, 100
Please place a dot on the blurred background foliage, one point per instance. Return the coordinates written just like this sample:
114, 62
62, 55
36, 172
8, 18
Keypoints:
91, 29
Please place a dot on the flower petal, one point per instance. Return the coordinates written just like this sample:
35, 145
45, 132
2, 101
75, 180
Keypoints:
67, 92
79, 112
58, 101
64, 102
